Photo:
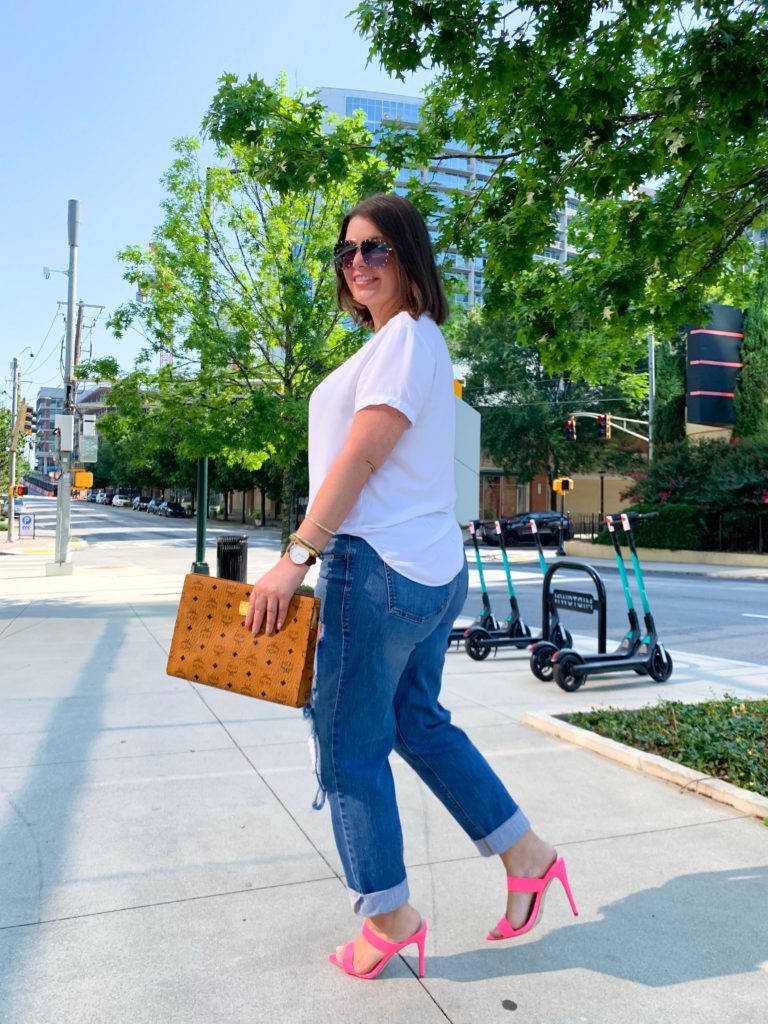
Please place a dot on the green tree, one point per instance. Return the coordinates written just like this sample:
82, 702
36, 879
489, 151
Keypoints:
237, 286
750, 399
22, 466
524, 409
597, 100
669, 405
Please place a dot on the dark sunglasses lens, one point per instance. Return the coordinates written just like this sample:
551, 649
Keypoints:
374, 252
344, 255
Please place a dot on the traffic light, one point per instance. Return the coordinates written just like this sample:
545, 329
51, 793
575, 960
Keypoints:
602, 426
570, 430
29, 425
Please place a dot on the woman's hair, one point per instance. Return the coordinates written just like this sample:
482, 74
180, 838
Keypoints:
400, 224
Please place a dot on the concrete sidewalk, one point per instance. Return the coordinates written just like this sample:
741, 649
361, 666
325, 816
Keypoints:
161, 863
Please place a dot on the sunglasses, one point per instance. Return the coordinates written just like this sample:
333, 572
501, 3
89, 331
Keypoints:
374, 251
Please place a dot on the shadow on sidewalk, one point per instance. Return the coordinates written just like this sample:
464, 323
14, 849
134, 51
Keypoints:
40, 814
707, 925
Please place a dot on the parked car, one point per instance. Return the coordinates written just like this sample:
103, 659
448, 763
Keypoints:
108, 499
172, 509
139, 503
121, 501
18, 507
101, 498
152, 506
517, 530
92, 496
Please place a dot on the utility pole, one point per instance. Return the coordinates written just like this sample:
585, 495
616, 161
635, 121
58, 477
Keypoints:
65, 422
15, 390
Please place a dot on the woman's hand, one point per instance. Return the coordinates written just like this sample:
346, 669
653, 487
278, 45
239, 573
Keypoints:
271, 595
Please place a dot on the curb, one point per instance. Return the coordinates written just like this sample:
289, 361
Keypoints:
742, 800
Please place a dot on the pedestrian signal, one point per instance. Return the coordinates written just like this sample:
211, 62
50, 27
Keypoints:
562, 485
570, 430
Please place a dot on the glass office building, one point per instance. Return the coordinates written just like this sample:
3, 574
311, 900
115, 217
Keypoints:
457, 168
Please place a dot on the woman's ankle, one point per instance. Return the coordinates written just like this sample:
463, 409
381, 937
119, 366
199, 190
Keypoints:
397, 924
530, 856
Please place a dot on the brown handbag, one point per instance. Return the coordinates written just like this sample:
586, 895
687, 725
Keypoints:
211, 645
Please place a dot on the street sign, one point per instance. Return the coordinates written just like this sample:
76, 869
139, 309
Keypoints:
26, 525
89, 448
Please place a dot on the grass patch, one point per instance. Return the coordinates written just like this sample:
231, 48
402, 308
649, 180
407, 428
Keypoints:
726, 738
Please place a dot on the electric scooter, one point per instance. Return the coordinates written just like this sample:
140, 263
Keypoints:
542, 653
485, 618
479, 642
649, 657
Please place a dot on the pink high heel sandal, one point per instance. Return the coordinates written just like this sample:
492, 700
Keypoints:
387, 948
538, 886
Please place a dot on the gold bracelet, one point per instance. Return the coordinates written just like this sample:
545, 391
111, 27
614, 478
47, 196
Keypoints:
306, 545
331, 533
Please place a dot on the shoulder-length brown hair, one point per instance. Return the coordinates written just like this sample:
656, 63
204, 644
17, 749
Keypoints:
400, 224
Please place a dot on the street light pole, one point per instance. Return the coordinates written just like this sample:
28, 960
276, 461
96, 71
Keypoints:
66, 421
15, 388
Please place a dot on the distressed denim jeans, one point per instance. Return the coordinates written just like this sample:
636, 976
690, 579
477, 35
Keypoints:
379, 669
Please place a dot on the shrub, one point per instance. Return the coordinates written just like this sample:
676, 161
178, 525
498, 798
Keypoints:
725, 738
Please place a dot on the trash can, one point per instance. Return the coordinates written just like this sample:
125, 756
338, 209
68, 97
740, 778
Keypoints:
232, 556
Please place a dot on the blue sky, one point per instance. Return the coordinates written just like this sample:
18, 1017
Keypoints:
92, 93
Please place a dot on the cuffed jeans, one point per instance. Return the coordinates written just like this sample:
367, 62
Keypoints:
379, 669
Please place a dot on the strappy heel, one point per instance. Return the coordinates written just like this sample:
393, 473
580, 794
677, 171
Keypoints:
539, 887
387, 948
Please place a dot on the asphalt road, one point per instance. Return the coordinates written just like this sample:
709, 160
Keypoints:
699, 614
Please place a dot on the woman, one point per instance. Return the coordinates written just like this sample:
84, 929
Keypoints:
393, 578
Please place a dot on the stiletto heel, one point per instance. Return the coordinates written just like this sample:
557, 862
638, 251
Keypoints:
539, 887
387, 948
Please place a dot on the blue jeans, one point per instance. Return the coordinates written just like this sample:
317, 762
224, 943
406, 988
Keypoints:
379, 669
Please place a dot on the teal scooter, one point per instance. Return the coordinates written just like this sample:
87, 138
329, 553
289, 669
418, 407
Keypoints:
542, 653
647, 657
479, 642
485, 617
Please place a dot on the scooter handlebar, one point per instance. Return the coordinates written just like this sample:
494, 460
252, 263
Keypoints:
633, 517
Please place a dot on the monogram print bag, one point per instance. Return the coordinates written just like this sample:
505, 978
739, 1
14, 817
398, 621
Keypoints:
211, 645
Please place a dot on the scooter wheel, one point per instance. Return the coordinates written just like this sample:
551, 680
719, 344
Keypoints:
519, 630
476, 644
541, 661
563, 669
660, 664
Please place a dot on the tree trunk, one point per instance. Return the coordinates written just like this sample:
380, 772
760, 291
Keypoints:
263, 497
243, 506
286, 521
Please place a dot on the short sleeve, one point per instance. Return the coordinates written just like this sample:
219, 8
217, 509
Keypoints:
400, 372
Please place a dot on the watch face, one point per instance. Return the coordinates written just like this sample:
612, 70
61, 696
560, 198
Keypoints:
298, 555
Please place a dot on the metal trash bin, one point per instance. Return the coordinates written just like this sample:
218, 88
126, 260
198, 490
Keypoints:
232, 556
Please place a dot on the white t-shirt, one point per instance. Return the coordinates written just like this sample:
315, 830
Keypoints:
405, 510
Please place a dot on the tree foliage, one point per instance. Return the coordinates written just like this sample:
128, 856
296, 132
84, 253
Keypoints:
750, 399
596, 99
524, 409
711, 494
22, 466
237, 286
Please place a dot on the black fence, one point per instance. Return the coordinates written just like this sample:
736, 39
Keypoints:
730, 530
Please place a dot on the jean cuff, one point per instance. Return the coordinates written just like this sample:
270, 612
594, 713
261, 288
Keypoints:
372, 903
505, 835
